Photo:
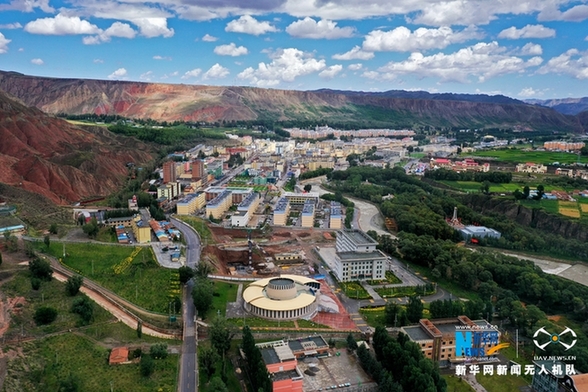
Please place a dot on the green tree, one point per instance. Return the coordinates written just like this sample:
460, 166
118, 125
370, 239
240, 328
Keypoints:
45, 315
47, 240
35, 283
0, 258
207, 359
147, 365
40, 269
53, 229
217, 385
83, 307
203, 269
158, 351
221, 334
202, 295
414, 310
139, 329
186, 273
351, 343
70, 384
73, 284
307, 188
91, 228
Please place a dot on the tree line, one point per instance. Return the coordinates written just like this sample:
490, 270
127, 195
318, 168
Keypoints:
495, 177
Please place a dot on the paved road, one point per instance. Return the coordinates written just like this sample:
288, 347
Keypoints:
189, 360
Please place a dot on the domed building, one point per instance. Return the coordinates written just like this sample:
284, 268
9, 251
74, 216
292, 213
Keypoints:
287, 297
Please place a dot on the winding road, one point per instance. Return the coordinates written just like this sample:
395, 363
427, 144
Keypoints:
189, 359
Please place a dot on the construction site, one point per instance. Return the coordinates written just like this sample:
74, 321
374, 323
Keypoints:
243, 253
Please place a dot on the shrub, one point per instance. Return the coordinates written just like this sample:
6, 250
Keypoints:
73, 284
147, 365
45, 315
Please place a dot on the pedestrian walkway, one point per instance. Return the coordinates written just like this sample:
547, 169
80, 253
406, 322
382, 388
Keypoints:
471, 379
371, 291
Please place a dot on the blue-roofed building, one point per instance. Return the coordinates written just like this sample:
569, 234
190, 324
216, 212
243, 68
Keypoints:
219, 205
336, 216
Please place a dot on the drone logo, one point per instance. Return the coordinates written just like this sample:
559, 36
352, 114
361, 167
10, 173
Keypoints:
554, 338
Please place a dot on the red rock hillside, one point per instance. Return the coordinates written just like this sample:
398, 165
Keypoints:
51, 157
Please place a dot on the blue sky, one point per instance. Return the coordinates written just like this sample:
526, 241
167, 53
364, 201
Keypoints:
523, 49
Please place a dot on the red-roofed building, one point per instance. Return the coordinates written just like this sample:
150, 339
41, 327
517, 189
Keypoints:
118, 356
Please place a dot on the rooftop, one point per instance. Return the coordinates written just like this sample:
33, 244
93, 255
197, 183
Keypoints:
219, 199
188, 198
246, 202
309, 195
360, 256
416, 333
308, 208
286, 375
281, 205
359, 238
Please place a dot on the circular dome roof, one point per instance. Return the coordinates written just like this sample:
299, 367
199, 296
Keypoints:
281, 289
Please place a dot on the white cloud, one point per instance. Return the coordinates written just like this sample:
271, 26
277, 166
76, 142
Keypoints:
21, 49
98, 61
355, 67
217, 71
482, 60
146, 76
530, 92
4, 43
153, 27
117, 29
166, 76
248, 25
354, 54
331, 72
37, 61
157, 57
577, 13
401, 39
286, 65
61, 25
192, 74
209, 38
230, 50
27, 6
323, 29
529, 31
11, 26
120, 73
572, 62
531, 49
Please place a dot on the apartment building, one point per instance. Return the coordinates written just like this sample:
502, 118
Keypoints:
335, 216
307, 214
141, 228
191, 203
300, 198
245, 210
219, 205
281, 212
169, 172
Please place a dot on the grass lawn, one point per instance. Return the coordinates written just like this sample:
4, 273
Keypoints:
200, 226
545, 157
50, 294
119, 333
223, 293
311, 324
48, 361
142, 282
374, 317
255, 322
105, 234
354, 290
497, 383
401, 291
456, 384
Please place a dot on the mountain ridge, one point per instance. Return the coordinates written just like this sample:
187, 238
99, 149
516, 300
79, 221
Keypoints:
571, 106
51, 157
171, 102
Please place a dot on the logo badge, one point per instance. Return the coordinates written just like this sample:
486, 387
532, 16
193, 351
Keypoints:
553, 338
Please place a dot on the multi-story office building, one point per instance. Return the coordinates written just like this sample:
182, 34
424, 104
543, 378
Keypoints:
300, 198
169, 190
357, 257
281, 212
140, 226
245, 210
437, 338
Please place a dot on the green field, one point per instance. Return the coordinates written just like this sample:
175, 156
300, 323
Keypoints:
505, 383
374, 318
472, 186
223, 293
354, 290
47, 362
200, 226
456, 384
519, 156
143, 282
551, 206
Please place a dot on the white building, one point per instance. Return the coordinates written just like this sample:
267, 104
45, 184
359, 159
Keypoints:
357, 257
